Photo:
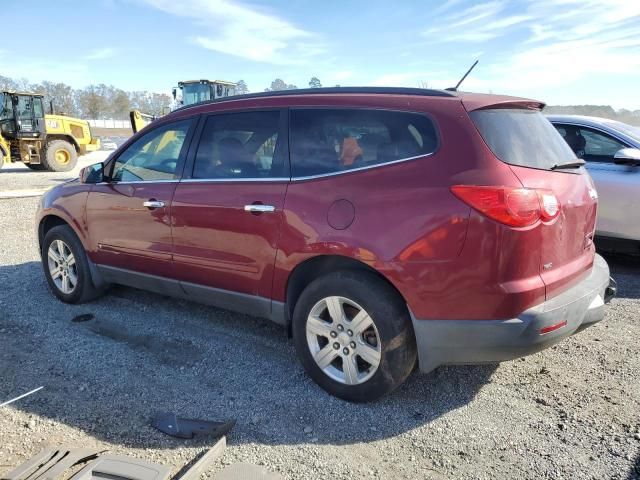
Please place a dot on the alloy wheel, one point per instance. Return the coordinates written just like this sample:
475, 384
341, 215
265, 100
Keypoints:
343, 340
62, 266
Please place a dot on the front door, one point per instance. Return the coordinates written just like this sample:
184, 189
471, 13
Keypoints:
129, 216
229, 213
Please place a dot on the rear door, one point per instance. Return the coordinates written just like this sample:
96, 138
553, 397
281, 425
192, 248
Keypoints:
229, 212
129, 217
618, 186
524, 139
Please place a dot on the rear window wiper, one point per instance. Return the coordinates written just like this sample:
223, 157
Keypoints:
574, 164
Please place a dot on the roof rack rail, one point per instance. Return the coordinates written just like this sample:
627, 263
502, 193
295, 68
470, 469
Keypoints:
329, 91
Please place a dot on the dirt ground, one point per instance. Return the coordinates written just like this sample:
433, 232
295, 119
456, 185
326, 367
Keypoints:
572, 411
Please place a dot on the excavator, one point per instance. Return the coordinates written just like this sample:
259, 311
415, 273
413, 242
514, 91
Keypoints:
187, 92
42, 142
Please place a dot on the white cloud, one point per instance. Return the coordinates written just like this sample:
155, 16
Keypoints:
546, 45
478, 23
245, 31
100, 54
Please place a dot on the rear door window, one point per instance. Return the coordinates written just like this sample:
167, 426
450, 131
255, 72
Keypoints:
325, 141
241, 145
522, 137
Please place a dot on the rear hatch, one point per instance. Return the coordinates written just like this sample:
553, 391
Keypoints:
525, 140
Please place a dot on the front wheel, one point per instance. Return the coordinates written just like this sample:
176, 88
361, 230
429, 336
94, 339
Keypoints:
353, 335
60, 156
66, 266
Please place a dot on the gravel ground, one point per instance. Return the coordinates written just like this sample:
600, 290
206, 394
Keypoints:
16, 176
568, 412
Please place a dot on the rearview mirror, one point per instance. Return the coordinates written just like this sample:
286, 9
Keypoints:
92, 173
627, 156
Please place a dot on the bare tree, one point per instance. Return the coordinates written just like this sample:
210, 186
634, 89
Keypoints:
92, 102
60, 95
241, 88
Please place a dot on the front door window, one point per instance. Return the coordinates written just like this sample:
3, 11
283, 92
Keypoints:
154, 156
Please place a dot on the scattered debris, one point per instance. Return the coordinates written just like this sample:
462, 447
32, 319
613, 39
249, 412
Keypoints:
122, 467
180, 427
21, 396
50, 463
205, 461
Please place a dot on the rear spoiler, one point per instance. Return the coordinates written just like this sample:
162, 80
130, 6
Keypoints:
478, 101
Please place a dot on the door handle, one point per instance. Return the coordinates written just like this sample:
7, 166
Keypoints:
259, 208
153, 204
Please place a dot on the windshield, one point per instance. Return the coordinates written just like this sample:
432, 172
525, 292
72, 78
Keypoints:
195, 92
522, 137
631, 131
5, 107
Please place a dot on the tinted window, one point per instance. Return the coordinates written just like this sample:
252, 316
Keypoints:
240, 145
599, 144
589, 144
154, 156
522, 137
327, 141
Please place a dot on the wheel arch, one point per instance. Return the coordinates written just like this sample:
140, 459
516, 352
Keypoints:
318, 266
51, 220
47, 223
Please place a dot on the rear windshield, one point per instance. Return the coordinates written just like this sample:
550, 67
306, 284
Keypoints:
522, 137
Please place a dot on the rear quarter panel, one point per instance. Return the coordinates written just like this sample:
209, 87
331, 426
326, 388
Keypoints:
407, 224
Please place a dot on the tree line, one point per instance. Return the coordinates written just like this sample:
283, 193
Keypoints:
108, 102
93, 102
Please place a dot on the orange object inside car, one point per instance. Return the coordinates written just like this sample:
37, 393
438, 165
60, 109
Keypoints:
350, 151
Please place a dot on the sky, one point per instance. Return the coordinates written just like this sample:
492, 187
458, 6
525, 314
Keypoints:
563, 52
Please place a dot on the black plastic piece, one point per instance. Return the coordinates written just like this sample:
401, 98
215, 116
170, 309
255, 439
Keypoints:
611, 291
179, 427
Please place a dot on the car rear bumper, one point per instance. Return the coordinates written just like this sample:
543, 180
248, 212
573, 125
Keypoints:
442, 342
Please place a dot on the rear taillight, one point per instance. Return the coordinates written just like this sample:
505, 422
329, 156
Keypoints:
516, 207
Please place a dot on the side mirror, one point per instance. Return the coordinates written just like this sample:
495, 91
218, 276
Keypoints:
627, 156
92, 173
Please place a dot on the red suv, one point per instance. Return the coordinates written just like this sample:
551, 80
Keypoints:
382, 227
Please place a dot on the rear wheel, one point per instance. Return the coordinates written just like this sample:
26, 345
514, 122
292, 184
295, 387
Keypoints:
66, 266
353, 335
60, 156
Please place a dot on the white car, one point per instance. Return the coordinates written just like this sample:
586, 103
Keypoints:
108, 144
611, 151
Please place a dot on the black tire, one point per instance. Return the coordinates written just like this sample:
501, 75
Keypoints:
84, 290
389, 313
56, 149
36, 166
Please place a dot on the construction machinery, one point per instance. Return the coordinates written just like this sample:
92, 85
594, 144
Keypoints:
42, 142
187, 93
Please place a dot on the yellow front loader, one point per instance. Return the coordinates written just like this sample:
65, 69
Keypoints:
41, 142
